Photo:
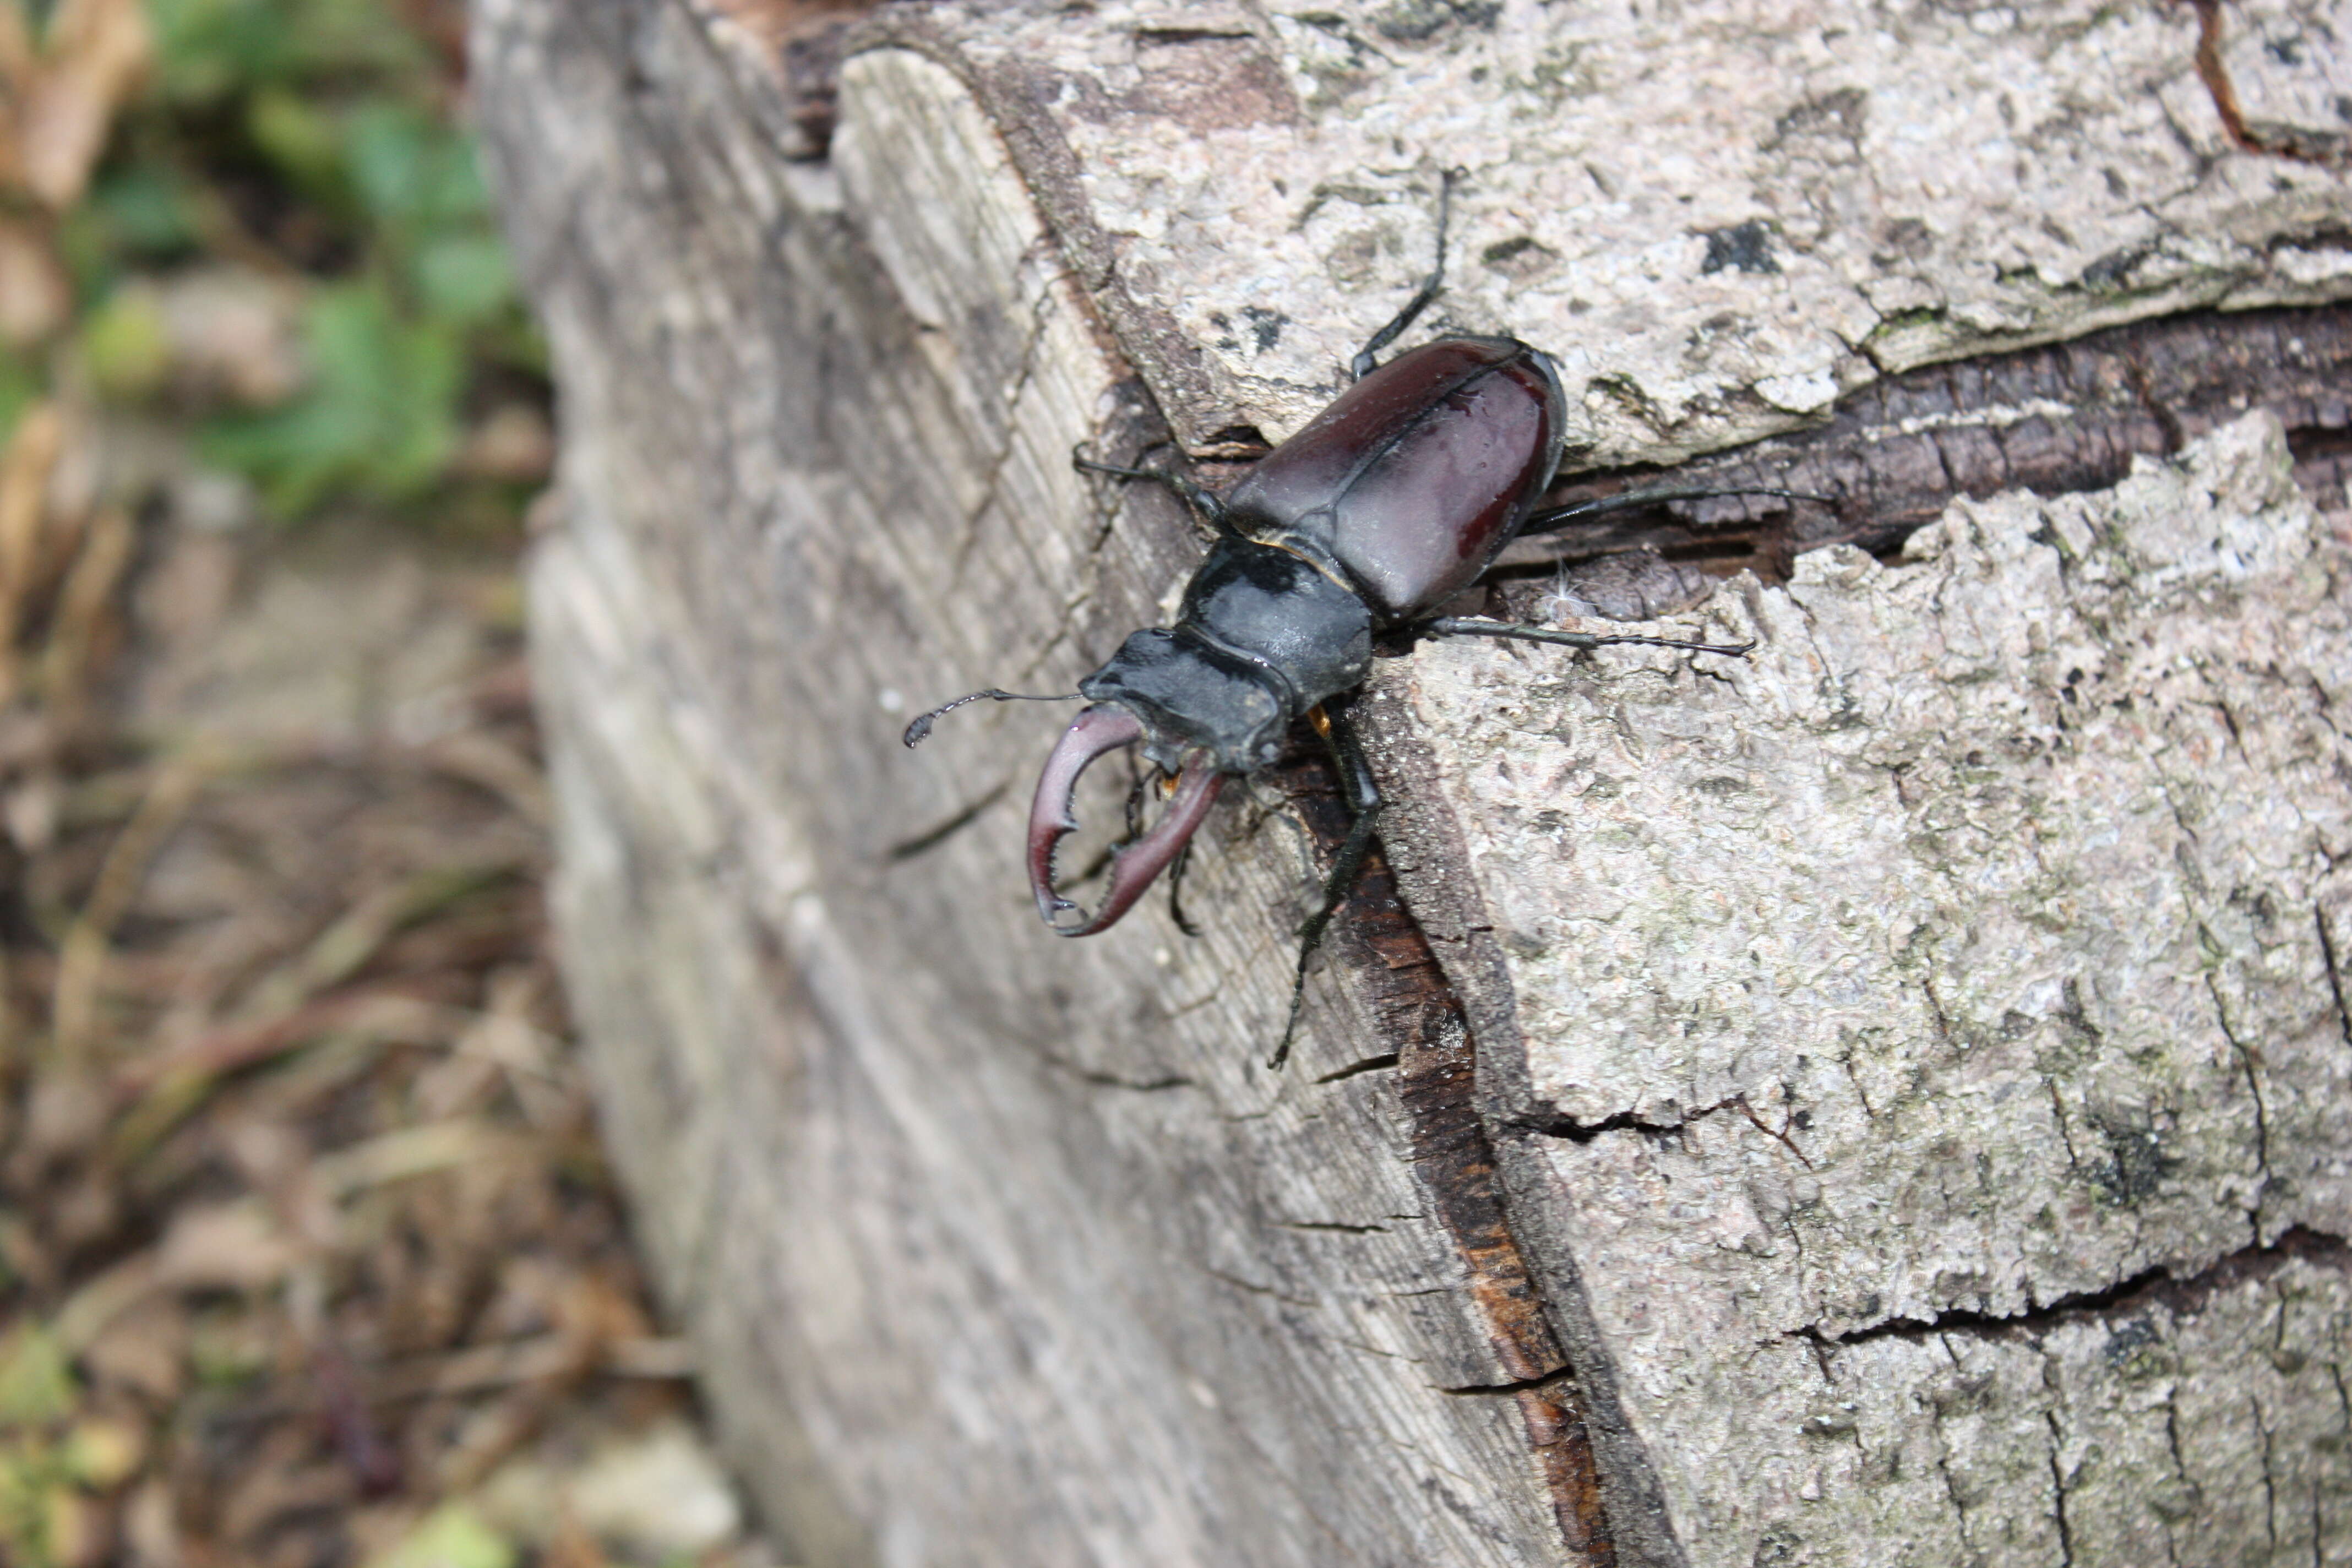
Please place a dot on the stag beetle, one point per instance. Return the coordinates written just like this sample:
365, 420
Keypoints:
1389, 503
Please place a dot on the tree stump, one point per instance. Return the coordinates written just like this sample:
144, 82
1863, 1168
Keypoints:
1881, 1101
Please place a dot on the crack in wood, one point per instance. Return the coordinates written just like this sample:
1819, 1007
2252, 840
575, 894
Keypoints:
1574, 1131
1496, 1390
1780, 1136
1148, 34
1095, 1079
2066, 1133
2249, 1061
1570, 1129
932, 837
802, 43
2270, 1479
2153, 1286
2058, 1485
1355, 1069
1951, 1487
2060, 419
2326, 149
1250, 1286
1389, 959
2335, 973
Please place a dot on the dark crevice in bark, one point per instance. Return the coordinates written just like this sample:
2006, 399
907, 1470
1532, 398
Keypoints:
2328, 149
2270, 1474
1779, 1135
1489, 1389
2059, 419
1093, 1078
1574, 1131
2314, 447
803, 42
1252, 1288
1174, 35
932, 837
1397, 975
2149, 1287
2249, 1062
1134, 1085
2334, 974
2058, 1494
1355, 1069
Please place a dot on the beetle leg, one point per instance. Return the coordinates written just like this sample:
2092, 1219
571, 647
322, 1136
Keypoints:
1206, 505
1362, 365
1176, 891
1144, 780
1553, 518
1100, 728
1363, 798
1465, 626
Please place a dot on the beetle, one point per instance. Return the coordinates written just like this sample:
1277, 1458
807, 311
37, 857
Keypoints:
1387, 504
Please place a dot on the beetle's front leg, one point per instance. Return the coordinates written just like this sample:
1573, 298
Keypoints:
1203, 504
1363, 798
1176, 891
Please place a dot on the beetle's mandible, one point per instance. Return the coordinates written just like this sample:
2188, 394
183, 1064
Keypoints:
1386, 505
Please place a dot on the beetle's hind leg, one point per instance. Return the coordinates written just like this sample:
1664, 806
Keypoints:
1552, 519
1432, 286
1363, 799
1467, 626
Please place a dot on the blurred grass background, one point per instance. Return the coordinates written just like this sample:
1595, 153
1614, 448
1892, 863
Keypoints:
262, 223
308, 1253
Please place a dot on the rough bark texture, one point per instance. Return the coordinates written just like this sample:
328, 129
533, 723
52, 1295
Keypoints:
2065, 418
1884, 1097
1719, 216
1967, 953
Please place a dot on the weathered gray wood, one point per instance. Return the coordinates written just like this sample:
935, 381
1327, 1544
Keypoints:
1000, 1248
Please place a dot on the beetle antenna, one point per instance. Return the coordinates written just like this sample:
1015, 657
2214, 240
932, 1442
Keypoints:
1368, 356
920, 730
1557, 517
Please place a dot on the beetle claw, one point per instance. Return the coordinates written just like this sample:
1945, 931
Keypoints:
1097, 729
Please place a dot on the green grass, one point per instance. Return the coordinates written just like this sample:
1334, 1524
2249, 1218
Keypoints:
318, 143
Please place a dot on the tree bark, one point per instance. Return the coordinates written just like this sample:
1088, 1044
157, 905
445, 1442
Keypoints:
1879, 1101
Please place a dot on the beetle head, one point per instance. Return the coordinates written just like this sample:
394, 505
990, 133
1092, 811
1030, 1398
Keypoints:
1190, 696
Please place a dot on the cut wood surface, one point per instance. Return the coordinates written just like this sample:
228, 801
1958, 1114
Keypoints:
1881, 1101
